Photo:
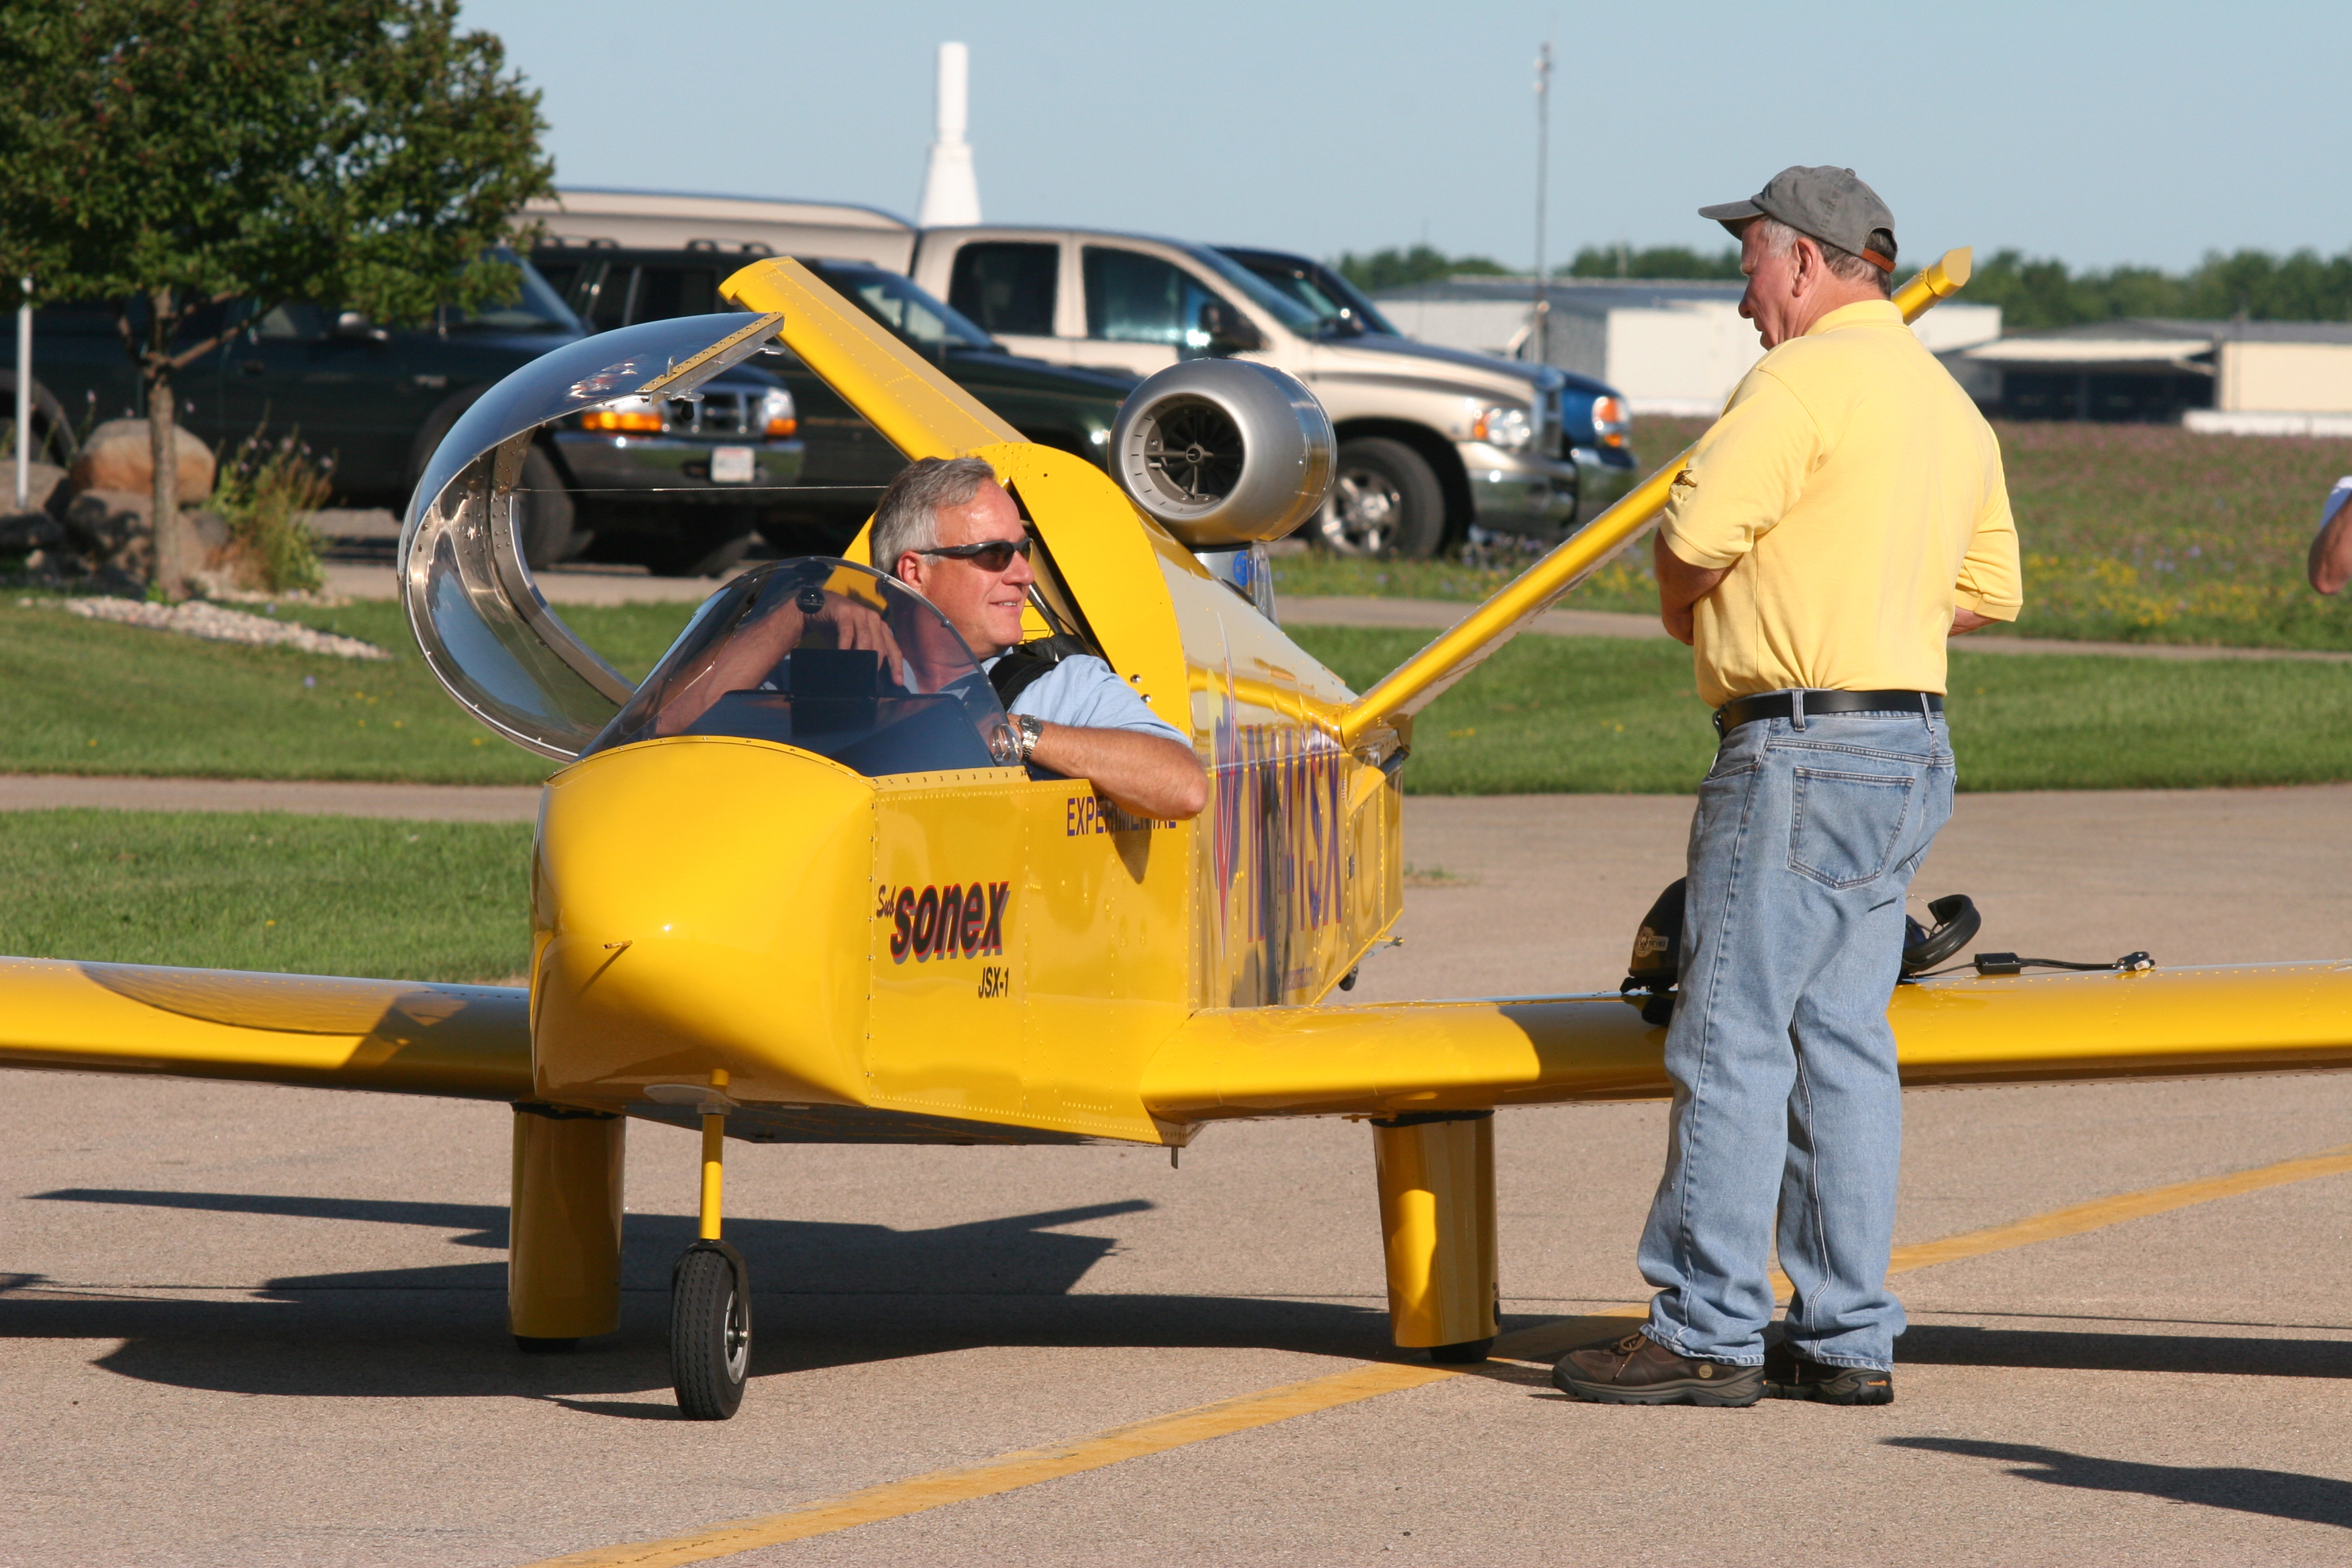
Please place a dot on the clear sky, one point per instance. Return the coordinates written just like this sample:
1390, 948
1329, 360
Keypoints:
2099, 133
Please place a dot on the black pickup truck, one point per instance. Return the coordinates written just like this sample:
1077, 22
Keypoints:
847, 461
678, 489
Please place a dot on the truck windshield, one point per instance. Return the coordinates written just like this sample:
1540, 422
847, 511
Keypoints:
1264, 295
827, 657
905, 308
536, 308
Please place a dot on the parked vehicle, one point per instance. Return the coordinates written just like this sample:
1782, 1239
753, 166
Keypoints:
664, 487
848, 460
1434, 443
1593, 418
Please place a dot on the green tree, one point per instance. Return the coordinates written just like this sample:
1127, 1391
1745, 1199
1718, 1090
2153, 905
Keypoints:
1678, 262
1394, 269
177, 155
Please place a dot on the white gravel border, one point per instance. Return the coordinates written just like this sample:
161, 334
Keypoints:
199, 620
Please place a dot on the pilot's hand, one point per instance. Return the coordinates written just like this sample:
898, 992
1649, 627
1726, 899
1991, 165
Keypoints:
859, 625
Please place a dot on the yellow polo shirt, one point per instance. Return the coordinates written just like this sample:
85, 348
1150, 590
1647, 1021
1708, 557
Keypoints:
1855, 495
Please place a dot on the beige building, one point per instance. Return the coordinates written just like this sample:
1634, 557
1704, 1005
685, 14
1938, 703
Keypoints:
2247, 378
1669, 347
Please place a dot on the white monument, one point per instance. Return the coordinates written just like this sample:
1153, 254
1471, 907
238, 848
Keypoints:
951, 190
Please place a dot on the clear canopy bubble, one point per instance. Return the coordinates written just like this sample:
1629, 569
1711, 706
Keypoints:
828, 657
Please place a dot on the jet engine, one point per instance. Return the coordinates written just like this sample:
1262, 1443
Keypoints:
1223, 452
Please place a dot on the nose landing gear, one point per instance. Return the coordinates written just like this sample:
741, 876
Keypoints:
711, 1288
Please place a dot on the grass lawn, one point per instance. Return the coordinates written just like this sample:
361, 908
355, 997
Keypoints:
309, 895
1547, 713
89, 697
1590, 715
2129, 532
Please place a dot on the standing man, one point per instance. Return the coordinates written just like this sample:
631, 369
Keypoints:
1844, 516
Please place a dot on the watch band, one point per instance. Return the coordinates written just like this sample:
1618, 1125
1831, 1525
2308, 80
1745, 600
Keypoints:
1028, 728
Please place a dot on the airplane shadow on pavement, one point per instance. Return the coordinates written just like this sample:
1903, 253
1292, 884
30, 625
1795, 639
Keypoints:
824, 1295
2279, 1494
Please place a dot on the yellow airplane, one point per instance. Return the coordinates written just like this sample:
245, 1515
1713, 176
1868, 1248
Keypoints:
826, 905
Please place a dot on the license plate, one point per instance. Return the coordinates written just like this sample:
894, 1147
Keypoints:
731, 464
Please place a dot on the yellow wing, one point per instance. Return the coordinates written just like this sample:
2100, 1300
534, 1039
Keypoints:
1385, 1059
468, 1041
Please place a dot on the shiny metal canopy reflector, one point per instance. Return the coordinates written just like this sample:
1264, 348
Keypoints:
488, 633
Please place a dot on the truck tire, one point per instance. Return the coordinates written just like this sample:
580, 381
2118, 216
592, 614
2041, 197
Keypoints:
542, 513
694, 541
1385, 501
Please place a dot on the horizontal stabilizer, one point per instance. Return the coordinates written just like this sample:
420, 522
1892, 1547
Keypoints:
1390, 1058
399, 1035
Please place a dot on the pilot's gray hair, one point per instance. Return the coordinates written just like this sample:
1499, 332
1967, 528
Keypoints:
907, 515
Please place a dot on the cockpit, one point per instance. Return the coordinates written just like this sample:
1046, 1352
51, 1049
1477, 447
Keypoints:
828, 657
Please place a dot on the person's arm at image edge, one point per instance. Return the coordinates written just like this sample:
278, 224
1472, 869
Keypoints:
2330, 563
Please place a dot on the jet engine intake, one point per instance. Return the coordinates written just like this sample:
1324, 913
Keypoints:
1223, 452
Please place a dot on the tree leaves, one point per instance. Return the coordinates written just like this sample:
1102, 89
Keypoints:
360, 153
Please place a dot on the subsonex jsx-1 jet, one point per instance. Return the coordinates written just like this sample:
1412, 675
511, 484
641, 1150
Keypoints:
786, 892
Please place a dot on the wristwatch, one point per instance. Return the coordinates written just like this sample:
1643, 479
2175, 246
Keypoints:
1028, 729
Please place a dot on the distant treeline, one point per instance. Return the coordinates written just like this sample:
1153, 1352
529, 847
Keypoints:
2041, 292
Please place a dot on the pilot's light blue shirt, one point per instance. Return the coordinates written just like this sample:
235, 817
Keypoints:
1083, 691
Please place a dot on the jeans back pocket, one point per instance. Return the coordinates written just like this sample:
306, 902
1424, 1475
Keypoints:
1844, 827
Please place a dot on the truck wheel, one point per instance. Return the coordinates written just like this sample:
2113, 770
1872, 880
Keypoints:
1384, 501
542, 513
696, 542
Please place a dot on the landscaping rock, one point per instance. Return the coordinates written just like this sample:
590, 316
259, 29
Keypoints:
116, 457
24, 530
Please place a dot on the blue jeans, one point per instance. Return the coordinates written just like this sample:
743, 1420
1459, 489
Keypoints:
1783, 1064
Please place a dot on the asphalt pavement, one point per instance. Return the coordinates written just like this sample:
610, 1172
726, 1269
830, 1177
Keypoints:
264, 1326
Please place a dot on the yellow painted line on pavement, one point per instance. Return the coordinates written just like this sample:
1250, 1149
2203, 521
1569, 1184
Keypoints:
1010, 1472
2100, 1213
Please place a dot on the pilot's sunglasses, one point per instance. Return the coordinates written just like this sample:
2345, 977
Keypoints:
989, 555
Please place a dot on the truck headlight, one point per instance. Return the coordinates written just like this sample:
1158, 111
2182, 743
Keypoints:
1612, 425
1506, 425
629, 415
777, 414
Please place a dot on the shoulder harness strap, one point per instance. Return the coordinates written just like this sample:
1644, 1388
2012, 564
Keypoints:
1026, 665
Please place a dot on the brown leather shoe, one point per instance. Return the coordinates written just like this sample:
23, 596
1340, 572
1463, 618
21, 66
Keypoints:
1788, 1376
1638, 1370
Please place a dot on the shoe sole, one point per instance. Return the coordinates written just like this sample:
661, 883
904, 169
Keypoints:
1856, 1391
1731, 1393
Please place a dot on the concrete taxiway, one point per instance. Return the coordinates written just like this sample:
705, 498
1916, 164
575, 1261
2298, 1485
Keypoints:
264, 1326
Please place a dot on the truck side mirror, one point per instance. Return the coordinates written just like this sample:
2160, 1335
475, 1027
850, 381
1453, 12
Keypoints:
355, 324
1228, 330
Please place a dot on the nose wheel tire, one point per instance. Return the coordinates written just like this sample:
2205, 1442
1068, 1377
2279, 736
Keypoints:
710, 1330
1385, 501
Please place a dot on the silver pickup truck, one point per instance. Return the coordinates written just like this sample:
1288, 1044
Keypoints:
1432, 442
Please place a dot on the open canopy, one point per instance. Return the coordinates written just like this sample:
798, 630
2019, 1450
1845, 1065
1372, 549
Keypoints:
486, 632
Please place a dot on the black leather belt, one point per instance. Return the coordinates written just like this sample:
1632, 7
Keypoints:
1783, 705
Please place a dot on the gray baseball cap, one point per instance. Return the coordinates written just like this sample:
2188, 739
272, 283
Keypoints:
1829, 204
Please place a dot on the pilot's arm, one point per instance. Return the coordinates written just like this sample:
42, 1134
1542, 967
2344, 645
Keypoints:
741, 661
1150, 775
1092, 725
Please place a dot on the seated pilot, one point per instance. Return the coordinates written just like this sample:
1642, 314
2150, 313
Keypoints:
947, 528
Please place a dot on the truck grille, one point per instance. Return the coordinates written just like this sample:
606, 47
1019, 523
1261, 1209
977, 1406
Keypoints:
1561, 441
718, 412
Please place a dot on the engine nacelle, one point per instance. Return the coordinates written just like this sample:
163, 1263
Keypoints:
1223, 452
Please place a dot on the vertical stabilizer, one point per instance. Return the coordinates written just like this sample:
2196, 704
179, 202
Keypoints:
950, 189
